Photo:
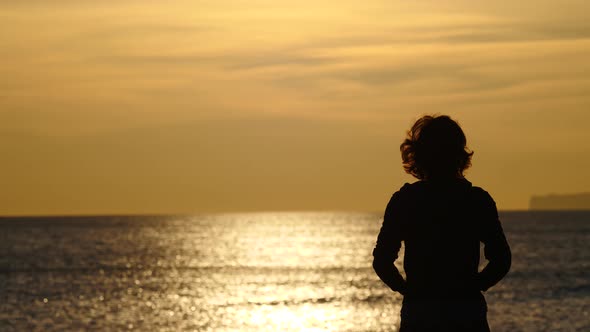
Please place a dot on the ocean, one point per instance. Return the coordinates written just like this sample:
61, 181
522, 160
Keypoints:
287, 271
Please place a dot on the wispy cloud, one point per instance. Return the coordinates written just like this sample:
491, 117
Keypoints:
224, 56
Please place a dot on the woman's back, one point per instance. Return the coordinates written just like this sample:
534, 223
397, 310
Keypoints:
443, 223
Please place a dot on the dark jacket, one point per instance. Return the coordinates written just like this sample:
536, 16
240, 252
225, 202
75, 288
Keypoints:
441, 224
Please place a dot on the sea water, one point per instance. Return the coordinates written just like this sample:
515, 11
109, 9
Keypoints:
262, 272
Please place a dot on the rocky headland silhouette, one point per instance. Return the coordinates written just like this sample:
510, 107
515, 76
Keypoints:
577, 201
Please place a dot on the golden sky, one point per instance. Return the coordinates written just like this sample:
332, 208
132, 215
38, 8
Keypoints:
202, 106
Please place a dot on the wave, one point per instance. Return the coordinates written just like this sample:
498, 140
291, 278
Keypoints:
313, 300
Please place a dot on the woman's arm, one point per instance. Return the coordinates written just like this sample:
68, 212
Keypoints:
388, 246
496, 250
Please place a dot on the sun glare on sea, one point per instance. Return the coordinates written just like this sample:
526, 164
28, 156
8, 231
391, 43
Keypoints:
282, 318
296, 271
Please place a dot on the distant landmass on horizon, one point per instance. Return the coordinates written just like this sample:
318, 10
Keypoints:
579, 201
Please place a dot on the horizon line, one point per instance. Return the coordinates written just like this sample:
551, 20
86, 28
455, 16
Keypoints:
186, 214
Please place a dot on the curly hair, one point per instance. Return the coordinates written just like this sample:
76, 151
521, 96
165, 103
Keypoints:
435, 147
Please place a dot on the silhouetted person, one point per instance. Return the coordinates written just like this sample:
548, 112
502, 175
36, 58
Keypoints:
441, 219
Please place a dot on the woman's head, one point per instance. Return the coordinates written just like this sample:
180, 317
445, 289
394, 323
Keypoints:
435, 147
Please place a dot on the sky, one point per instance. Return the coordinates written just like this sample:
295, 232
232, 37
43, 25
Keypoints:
126, 107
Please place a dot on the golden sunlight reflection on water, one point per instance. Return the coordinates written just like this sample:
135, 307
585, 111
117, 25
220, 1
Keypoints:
300, 272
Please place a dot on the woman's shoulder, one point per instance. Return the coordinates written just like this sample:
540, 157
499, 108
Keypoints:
482, 194
483, 201
410, 188
408, 192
